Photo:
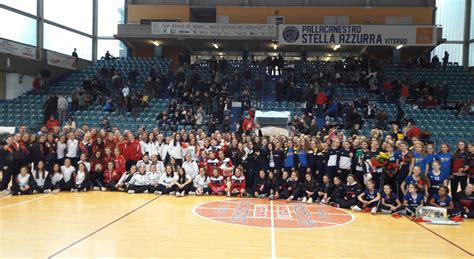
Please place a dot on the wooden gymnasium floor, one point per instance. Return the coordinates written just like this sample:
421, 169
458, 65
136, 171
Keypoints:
99, 224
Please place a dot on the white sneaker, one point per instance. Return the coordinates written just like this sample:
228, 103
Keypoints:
183, 193
198, 192
55, 191
310, 200
6, 191
47, 191
304, 200
73, 190
103, 189
146, 191
290, 199
373, 210
96, 188
386, 211
35, 191
131, 191
191, 193
177, 194
157, 193
172, 193
356, 208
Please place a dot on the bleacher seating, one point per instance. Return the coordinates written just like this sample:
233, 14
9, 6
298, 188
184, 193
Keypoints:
444, 125
460, 82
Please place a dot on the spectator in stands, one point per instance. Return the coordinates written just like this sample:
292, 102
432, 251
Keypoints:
108, 56
412, 131
51, 123
50, 106
70, 123
62, 109
445, 94
74, 54
445, 60
82, 101
435, 61
37, 84
405, 93
45, 76
321, 100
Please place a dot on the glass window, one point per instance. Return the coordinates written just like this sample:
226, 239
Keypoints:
450, 14
111, 12
472, 21
71, 13
471, 55
28, 6
454, 51
113, 46
64, 41
24, 30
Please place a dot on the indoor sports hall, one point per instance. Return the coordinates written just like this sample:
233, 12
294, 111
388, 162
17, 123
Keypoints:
236, 129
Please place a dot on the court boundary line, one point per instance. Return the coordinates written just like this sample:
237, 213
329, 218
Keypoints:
6, 197
440, 236
282, 228
102, 228
23, 202
272, 230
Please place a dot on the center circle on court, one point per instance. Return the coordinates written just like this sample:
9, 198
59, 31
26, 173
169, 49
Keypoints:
257, 213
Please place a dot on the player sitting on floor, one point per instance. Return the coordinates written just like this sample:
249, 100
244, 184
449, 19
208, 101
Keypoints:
236, 185
369, 199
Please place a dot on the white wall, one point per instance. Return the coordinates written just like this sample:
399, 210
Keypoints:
13, 86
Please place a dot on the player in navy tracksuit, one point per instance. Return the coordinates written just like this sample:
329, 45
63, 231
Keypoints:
283, 185
352, 189
368, 199
390, 202
344, 160
413, 199
321, 161
335, 193
333, 155
324, 188
310, 189
465, 200
443, 200
294, 187
273, 184
260, 185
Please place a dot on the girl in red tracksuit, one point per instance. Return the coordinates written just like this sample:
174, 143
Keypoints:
217, 183
212, 162
460, 168
119, 162
236, 184
111, 177
132, 151
108, 156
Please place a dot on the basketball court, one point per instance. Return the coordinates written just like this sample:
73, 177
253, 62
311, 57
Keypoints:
102, 224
